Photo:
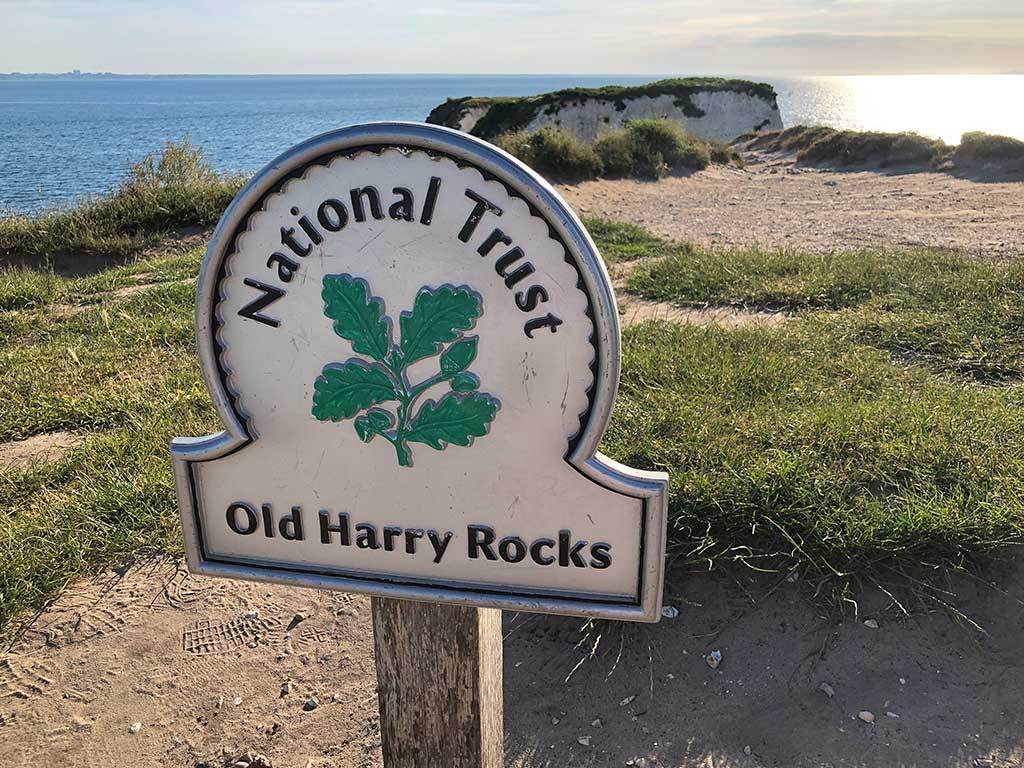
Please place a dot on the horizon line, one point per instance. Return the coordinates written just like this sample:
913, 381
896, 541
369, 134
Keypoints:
76, 73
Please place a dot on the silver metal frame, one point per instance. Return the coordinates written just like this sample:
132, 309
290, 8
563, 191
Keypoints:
650, 487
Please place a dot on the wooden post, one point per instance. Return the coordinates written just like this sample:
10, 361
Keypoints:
438, 684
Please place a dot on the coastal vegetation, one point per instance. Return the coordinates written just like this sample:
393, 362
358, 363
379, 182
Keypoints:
171, 189
645, 149
821, 145
508, 114
876, 435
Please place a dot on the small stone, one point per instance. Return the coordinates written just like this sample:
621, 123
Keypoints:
669, 611
892, 714
237, 700
831, 183
627, 701
260, 761
747, 750
555, 721
871, 624
252, 614
866, 716
903, 681
584, 740
597, 722
311, 704
713, 659
286, 688
134, 728
827, 689
670, 676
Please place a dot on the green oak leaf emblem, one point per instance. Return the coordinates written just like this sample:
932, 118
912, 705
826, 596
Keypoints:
436, 325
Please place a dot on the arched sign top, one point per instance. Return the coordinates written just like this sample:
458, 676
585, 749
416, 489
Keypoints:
413, 346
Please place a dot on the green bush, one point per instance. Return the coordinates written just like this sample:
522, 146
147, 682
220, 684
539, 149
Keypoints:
554, 153
977, 145
168, 190
616, 152
661, 145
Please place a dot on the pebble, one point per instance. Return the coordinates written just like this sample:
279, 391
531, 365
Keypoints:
831, 183
866, 716
555, 721
134, 728
827, 689
311, 704
747, 750
237, 700
597, 723
286, 688
891, 714
584, 740
252, 614
669, 611
871, 624
903, 681
627, 701
713, 659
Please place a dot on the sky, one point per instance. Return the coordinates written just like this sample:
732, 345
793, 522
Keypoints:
787, 37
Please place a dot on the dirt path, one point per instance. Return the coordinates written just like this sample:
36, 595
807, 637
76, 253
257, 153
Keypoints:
207, 670
774, 203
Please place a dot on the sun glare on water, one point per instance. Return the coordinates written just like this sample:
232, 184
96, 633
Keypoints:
944, 106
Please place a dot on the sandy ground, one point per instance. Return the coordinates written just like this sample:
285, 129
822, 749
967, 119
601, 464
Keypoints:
774, 203
207, 670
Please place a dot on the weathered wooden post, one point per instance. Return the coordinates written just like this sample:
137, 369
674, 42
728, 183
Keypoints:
439, 683
413, 347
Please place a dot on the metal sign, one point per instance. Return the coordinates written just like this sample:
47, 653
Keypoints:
413, 347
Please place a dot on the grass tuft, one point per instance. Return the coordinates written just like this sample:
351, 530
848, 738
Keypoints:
646, 149
819, 145
162, 192
977, 146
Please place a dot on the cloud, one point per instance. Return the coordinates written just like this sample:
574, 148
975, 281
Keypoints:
514, 36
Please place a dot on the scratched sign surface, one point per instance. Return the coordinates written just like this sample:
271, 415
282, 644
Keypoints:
413, 347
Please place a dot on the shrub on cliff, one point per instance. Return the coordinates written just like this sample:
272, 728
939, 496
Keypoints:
661, 145
616, 152
985, 147
554, 153
646, 149
173, 188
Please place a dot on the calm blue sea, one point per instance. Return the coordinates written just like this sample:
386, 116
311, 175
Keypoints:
61, 138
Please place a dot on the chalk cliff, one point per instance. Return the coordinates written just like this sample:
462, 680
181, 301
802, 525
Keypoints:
711, 108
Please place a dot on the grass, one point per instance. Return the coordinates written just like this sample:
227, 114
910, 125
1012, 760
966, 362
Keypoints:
821, 145
877, 433
818, 144
797, 448
124, 376
985, 147
952, 314
173, 188
645, 149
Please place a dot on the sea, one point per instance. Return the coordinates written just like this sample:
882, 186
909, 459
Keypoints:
65, 137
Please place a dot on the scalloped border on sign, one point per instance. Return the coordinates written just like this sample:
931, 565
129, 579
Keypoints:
650, 488
328, 161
